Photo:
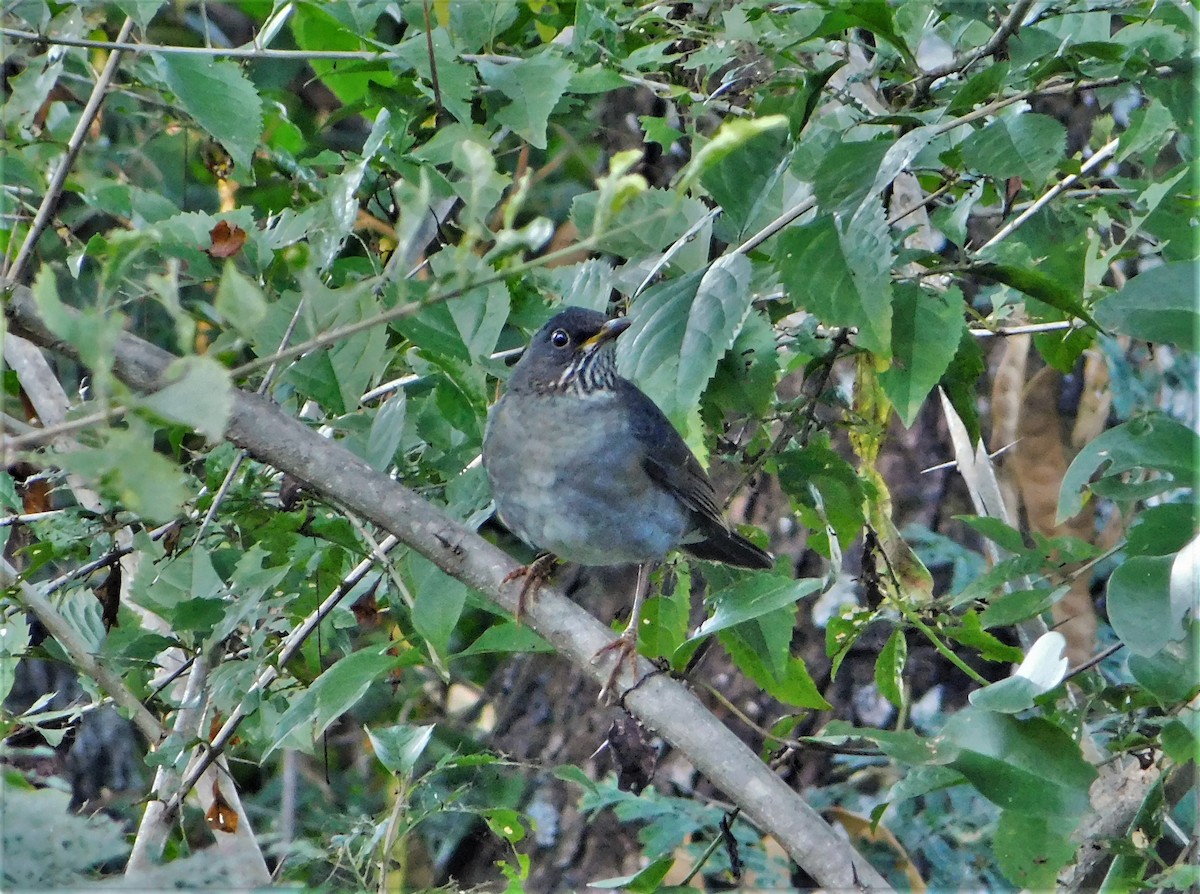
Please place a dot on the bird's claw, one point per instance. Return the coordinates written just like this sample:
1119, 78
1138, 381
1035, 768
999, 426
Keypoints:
626, 647
535, 573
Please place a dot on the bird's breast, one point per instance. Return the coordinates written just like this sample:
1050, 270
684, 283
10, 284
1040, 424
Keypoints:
568, 476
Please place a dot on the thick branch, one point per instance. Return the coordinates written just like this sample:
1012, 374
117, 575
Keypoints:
661, 703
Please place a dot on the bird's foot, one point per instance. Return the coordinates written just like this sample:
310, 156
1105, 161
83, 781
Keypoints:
625, 646
535, 573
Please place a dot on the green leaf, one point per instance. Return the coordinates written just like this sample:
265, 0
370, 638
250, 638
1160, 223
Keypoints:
240, 302
819, 468
926, 328
14, 638
657, 130
1156, 306
331, 695
1140, 607
533, 87
840, 271
399, 747
889, 668
209, 90
1030, 850
1044, 287
752, 597
1154, 442
1020, 605
505, 638
1162, 529
439, 602
387, 428
199, 395
793, 684
1003, 535
749, 182
680, 331
1032, 766
665, 618
971, 633
838, 183
733, 134
1170, 674
1028, 146
127, 470
904, 746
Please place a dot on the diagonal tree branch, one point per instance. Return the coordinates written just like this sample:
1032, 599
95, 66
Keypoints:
663, 704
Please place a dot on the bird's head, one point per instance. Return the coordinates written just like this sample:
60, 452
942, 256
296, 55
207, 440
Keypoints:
572, 353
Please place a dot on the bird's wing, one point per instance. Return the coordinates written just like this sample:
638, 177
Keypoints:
668, 460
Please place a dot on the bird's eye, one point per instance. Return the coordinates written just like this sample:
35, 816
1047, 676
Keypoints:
559, 338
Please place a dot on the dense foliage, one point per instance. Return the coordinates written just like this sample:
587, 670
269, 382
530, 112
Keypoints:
856, 240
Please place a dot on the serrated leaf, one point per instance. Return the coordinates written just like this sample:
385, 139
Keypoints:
840, 271
730, 136
533, 87
926, 327
332, 694
387, 428
240, 302
752, 597
208, 89
199, 395
1156, 306
1028, 146
127, 470
680, 331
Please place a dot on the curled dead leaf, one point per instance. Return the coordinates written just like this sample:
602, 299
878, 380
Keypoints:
227, 240
221, 816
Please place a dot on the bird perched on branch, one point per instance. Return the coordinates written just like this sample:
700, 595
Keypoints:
585, 466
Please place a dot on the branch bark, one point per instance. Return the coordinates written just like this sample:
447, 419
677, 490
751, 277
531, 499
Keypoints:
663, 704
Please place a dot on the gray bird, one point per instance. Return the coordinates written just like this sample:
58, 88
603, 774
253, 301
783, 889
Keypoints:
585, 466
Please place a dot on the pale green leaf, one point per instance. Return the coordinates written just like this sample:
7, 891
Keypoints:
681, 329
533, 87
199, 395
331, 695
220, 98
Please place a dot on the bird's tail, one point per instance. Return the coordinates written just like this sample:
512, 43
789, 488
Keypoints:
723, 545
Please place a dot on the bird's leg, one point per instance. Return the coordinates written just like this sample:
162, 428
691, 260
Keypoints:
535, 573
626, 644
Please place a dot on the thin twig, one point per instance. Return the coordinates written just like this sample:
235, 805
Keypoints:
210, 751
1100, 155
963, 61
59, 179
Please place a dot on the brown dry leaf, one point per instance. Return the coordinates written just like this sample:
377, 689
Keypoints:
861, 827
221, 816
1008, 382
109, 594
227, 240
1039, 463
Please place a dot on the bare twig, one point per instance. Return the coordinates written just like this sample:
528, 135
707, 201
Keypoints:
1100, 155
1008, 27
59, 178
